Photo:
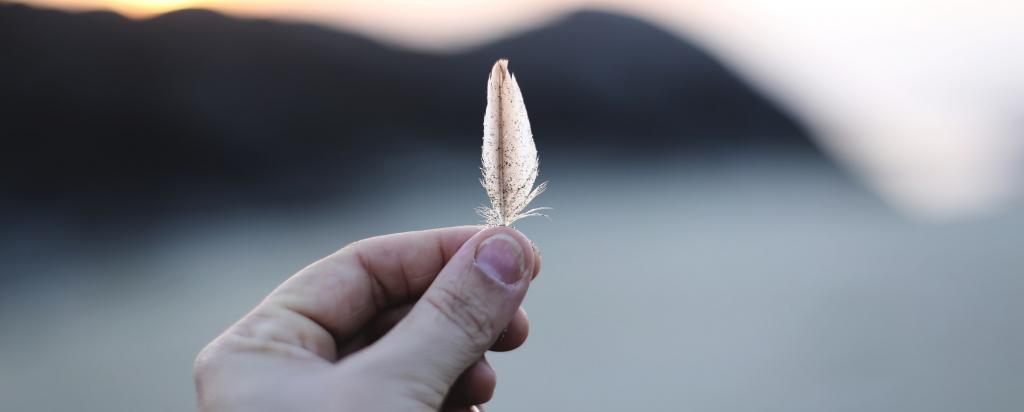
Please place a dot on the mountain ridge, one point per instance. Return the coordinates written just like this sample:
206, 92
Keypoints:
98, 105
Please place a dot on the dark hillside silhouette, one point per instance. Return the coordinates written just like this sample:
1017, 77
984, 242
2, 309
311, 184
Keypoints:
95, 106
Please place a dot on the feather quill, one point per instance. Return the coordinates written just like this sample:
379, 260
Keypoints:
509, 157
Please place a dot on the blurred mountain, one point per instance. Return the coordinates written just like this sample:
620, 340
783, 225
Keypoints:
95, 106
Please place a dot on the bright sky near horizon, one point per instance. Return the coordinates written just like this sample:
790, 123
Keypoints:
922, 98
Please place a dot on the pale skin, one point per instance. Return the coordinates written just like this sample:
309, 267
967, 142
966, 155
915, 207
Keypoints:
391, 323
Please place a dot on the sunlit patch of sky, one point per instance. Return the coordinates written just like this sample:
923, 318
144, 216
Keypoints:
922, 99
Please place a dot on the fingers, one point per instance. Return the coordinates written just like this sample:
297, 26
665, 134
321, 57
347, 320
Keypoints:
474, 408
460, 316
373, 330
340, 293
512, 337
536, 266
514, 334
475, 386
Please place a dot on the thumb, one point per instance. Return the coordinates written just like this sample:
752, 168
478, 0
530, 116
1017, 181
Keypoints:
460, 316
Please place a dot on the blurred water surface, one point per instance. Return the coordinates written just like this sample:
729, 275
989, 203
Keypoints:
733, 285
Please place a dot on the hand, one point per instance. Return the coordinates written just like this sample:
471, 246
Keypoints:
391, 323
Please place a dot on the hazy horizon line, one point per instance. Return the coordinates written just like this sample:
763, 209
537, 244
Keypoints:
514, 28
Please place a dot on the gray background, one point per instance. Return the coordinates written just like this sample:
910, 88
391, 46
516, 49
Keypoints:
734, 285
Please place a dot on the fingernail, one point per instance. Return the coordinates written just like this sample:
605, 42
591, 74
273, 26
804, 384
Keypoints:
501, 258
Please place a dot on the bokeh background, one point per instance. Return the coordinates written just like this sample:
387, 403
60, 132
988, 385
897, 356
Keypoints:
766, 206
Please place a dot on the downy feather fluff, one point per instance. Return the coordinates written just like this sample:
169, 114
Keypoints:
509, 157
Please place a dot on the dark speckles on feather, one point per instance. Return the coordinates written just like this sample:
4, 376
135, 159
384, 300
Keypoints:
509, 156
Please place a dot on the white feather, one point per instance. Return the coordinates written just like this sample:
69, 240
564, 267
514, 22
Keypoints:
510, 162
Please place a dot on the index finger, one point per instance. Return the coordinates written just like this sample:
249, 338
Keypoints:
343, 291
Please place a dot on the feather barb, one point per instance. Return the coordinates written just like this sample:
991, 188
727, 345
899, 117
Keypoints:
509, 156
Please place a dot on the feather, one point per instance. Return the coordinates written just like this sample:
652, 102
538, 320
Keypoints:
509, 158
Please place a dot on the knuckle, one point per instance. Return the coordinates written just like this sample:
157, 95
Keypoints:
354, 245
349, 249
430, 392
468, 313
202, 372
205, 364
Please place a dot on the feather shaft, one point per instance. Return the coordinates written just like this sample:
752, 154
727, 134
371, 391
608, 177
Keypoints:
509, 162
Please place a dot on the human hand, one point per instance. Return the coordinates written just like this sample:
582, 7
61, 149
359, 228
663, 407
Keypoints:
391, 323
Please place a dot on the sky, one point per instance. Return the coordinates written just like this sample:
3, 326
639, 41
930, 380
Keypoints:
923, 99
